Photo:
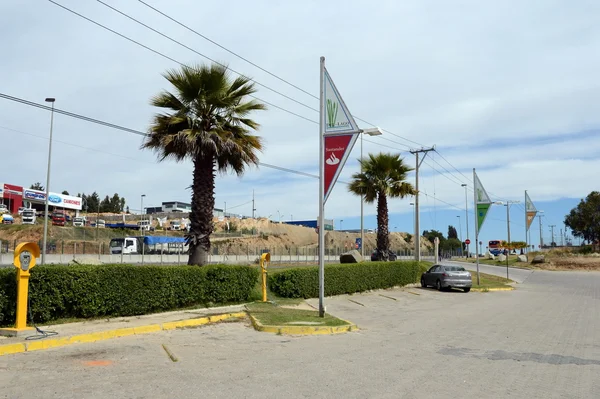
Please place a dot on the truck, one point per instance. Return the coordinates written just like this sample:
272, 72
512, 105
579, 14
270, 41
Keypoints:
28, 216
78, 222
136, 245
145, 225
175, 225
58, 218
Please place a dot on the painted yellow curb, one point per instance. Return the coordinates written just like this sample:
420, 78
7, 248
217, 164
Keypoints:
303, 330
121, 332
492, 289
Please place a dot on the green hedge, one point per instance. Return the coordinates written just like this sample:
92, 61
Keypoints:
123, 290
346, 279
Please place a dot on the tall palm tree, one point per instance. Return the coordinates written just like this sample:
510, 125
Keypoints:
382, 176
205, 120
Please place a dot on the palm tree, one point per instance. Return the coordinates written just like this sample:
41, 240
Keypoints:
382, 176
205, 120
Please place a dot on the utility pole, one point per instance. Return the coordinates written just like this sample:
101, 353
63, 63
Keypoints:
418, 164
540, 215
508, 203
467, 218
552, 226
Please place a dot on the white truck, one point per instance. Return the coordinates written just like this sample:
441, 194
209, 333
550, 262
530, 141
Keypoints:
28, 216
175, 225
145, 225
79, 222
136, 245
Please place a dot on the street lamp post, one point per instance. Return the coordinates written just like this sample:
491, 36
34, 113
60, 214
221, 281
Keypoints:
460, 229
467, 218
371, 132
413, 216
142, 208
45, 239
540, 215
341, 221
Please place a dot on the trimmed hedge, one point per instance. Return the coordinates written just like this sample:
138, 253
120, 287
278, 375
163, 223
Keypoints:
346, 279
123, 290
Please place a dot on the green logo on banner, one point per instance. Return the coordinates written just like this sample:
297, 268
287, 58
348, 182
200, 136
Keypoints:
482, 210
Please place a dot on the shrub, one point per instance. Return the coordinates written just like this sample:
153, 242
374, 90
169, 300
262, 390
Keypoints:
346, 279
123, 290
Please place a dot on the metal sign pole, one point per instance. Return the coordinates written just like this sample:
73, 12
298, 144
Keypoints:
321, 224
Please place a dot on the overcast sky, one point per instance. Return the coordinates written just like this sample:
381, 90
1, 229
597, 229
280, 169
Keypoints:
508, 87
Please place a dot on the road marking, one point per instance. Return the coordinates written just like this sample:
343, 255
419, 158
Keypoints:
358, 303
414, 293
388, 297
170, 354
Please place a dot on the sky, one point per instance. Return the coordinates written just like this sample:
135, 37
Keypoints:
507, 87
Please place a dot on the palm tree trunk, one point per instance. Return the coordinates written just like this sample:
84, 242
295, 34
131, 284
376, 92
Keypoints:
201, 217
383, 237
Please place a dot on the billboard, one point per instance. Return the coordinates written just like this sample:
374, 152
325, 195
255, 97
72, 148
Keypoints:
54, 199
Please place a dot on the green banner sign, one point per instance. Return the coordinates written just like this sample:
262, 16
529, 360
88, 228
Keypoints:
482, 210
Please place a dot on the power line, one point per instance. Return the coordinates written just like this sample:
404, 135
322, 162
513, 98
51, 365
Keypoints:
168, 57
191, 49
448, 162
205, 56
226, 49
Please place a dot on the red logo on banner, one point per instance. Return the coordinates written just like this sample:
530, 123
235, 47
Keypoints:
336, 153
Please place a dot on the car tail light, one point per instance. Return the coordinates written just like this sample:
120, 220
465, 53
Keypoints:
445, 274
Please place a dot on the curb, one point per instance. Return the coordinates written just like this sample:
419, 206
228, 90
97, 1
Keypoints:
121, 332
492, 289
303, 330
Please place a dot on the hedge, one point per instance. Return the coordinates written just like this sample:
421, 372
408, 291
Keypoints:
346, 279
123, 290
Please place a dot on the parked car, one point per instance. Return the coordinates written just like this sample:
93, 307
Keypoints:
6, 219
3, 209
376, 256
441, 276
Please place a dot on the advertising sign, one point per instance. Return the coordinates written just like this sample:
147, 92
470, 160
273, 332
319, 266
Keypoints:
337, 150
54, 199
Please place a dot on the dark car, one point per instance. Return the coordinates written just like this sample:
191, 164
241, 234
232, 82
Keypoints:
441, 276
376, 256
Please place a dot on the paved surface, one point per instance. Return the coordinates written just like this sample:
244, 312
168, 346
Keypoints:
515, 274
539, 341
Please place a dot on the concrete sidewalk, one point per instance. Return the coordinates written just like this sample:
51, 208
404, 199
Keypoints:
101, 329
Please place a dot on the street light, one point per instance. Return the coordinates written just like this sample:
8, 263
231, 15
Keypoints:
413, 215
460, 229
142, 207
371, 132
467, 218
540, 215
45, 240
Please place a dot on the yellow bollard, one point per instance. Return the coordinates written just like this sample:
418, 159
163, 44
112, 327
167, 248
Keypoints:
24, 260
264, 260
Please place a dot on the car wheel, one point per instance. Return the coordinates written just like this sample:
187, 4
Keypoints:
467, 289
438, 285
423, 283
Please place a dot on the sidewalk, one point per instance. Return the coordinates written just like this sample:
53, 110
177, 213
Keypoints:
101, 329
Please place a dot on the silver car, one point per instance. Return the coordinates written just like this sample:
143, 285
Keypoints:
442, 276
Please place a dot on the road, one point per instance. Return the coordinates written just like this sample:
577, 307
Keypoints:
515, 274
539, 341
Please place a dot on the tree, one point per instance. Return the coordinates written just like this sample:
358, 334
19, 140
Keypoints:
105, 205
115, 204
432, 234
37, 186
382, 176
92, 202
584, 219
65, 192
452, 232
206, 120
122, 205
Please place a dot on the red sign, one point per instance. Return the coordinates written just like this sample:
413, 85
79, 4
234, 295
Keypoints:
337, 149
467, 241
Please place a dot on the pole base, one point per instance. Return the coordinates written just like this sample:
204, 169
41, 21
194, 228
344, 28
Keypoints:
14, 332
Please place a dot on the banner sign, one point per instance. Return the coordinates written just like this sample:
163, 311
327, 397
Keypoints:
337, 150
482, 201
338, 118
530, 210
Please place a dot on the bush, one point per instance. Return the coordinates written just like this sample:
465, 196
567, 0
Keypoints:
123, 290
346, 279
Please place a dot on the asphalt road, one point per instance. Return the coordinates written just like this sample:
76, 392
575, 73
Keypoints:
539, 341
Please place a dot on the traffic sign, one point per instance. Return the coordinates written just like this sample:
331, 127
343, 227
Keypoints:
358, 243
467, 241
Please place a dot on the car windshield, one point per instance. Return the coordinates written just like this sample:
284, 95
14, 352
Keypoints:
116, 242
454, 269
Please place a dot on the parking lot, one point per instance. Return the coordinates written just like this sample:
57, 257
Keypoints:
539, 341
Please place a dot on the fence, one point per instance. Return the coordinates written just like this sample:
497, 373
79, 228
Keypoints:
63, 251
